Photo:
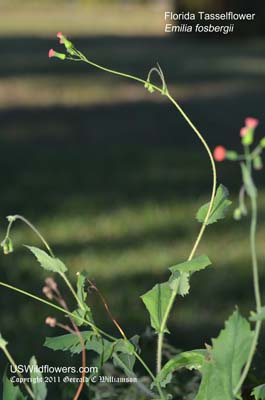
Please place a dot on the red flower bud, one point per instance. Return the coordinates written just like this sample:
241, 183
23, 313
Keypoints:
243, 131
251, 122
219, 153
51, 53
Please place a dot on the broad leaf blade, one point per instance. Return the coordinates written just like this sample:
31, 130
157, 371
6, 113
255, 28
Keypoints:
69, 342
11, 392
229, 353
47, 262
194, 265
189, 359
156, 301
259, 392
38, 385
179, 280
220, 205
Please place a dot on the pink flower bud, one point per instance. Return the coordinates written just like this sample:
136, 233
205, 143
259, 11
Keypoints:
59, 35
51, 53
51, 322
50, 282
251, 122
47, 292
243, 131
219, 153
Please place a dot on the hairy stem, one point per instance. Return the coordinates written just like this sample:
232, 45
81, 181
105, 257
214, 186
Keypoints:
253, 229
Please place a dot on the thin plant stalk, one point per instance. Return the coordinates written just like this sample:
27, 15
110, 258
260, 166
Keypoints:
214, 183
13, 363
12, 219
61, 309
253, 229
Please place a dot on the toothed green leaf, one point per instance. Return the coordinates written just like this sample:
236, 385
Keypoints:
47, 262
220, 205
229, 353
156, 301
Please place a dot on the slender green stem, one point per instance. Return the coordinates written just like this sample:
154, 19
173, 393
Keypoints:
68, 283
12, 219
199, 237
253, 229
25, 293
64, 311
160, 338
129, 373
13, 363
201, 138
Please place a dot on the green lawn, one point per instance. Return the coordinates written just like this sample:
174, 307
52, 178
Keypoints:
112, 176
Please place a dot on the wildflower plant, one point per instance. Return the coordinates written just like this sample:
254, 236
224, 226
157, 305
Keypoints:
224, 364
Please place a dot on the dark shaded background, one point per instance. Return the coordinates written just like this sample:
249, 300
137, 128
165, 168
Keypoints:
111, 175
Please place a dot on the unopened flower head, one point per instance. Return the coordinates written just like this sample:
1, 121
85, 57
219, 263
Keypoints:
52, 322
47, 292
63, 40
219, 153
50, 282
251, 122
243, 131
55, 54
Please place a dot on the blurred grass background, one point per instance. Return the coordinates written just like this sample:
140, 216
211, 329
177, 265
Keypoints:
110, 174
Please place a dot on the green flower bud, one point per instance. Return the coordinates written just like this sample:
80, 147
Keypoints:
237, 214
262, 143
257, 163
247, 140
231, 155
7, 246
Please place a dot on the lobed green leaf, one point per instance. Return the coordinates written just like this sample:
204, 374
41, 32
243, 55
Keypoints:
156, 301
47, 262
194, 265
189, 359
228, 355
220, 205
